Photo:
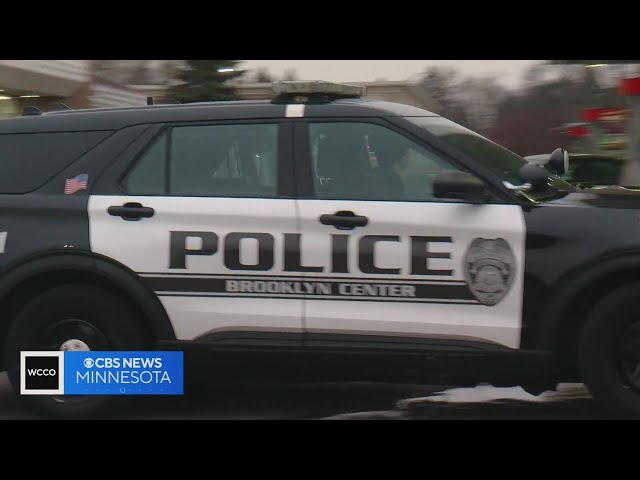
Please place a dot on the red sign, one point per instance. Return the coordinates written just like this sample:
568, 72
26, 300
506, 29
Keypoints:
578, 132
603, 115
629, 86
608, 127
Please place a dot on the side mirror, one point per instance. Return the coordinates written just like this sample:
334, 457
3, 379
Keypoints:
558, 161
535, 176
459, 186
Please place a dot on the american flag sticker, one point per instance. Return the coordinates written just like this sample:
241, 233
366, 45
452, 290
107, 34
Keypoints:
72, 185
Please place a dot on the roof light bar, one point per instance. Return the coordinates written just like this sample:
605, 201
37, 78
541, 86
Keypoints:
319, 86
317, 90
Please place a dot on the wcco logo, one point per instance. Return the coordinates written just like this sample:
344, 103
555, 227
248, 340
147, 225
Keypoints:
41, 373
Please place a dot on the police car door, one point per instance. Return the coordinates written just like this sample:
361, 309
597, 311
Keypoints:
388, 258
199, 216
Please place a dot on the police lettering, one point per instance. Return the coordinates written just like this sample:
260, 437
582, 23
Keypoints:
178, 250
283, 287
184, 244
232, 251
376, 290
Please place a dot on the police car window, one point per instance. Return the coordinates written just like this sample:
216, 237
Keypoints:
210, 161
504, 163
28, 160
364, 161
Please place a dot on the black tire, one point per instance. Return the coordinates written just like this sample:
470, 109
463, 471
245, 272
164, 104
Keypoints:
599, 352
104, 321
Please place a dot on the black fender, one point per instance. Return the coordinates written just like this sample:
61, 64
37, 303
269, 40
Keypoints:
572, 285
117, 276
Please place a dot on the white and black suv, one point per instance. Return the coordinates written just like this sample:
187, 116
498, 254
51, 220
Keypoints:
317, 236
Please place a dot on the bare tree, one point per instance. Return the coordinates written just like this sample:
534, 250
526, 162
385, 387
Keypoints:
482, 97
537, 73
263, 76
140, 73
290, 74
441, 84
122, 71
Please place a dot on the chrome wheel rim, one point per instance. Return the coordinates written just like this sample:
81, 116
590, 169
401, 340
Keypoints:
72, 335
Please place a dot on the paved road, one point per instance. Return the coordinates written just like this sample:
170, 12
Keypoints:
349, 401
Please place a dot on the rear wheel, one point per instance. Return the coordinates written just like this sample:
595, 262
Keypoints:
73, 317
609, 352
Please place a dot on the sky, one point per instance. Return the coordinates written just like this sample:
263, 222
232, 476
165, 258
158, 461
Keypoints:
509, 71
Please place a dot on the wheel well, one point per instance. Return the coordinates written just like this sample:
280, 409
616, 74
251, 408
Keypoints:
21, 293
575, 315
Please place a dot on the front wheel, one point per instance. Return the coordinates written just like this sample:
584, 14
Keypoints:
72, 317
609, 352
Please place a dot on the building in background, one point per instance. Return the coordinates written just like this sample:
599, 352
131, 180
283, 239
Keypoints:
43, 83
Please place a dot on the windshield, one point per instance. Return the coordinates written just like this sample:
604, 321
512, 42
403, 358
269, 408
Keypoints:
502, 162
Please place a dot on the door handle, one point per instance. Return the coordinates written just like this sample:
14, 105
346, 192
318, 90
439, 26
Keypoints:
344, 220
131, 211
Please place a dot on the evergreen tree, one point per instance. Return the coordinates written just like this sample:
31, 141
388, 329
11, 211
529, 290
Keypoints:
202, 81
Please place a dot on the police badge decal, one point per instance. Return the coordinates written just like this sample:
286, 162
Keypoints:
489, 268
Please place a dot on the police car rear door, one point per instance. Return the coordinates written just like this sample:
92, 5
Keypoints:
199, 213
384, 257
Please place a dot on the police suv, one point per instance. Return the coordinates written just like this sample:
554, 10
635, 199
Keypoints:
315, 236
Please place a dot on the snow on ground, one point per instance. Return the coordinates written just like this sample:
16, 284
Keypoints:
480, 395
382, 415
489, 393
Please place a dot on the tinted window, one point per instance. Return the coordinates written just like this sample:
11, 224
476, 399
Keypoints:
501, 161
364, 161
209, 161
28, 160
504, 163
